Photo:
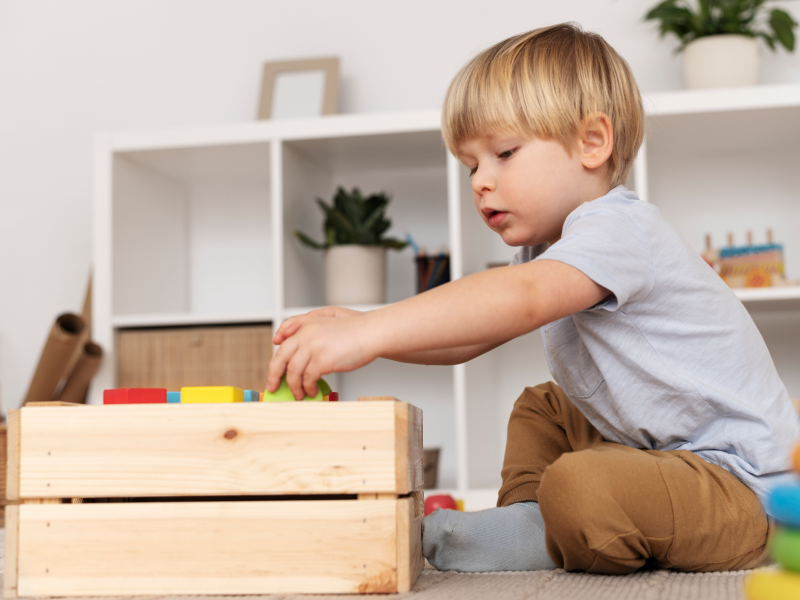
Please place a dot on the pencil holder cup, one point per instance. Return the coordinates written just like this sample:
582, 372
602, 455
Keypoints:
432, 270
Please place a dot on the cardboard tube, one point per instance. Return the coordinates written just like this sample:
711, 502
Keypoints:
58, 350
80, 377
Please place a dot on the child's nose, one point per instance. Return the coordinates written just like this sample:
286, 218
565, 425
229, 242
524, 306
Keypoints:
482, 182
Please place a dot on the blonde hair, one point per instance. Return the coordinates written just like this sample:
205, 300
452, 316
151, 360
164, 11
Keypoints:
544, 83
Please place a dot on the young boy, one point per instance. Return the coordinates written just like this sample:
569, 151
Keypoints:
669, 419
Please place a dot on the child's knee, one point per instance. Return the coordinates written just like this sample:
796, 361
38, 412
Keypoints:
568, 492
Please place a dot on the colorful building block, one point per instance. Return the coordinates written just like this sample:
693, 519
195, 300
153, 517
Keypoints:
173, 397
786, 549
135, 396
773, 585
784, 504
251, 396
211, 394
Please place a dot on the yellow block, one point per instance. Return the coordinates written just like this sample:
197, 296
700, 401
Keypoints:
773, 585
206, 395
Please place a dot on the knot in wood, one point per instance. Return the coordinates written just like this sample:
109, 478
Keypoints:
230, 434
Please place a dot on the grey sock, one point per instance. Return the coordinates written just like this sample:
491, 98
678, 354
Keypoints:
508, 538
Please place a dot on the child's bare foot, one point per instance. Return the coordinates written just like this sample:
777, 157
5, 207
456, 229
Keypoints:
509, 538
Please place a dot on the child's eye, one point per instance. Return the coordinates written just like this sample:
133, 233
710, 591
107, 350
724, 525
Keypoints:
472, 171
507, 153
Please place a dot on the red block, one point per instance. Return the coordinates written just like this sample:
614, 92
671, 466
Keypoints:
439, 501
135, 396
333, 397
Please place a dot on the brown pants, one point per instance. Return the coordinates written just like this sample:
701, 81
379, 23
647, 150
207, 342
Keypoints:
610, 508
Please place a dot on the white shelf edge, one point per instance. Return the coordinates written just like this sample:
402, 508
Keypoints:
346, 125
178, 319
788, 292
721, 100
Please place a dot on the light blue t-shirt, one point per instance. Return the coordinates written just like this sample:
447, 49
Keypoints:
671, 360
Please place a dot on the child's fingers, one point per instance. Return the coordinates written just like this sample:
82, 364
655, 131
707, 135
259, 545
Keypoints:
294, 373
293, 324
287, 329
277, 366
310, 377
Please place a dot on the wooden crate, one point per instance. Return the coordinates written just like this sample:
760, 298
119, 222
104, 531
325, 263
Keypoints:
172, 358
304, 497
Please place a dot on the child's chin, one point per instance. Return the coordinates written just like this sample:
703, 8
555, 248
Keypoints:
515, 241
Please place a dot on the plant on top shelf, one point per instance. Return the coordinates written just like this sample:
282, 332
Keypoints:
354, 219
355, 249
715, 17
718, 37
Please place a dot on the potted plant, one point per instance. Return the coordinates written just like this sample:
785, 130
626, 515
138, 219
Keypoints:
719, 37
355, 251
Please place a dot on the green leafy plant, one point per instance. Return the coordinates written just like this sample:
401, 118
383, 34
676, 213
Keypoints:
690, 20
354, 219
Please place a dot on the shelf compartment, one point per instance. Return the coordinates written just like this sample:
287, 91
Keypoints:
413, 173
191, 231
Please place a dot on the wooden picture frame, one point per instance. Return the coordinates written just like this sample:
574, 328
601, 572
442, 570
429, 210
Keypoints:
272, 70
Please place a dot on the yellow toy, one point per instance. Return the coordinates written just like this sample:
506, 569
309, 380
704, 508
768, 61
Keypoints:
773, 585
208, 395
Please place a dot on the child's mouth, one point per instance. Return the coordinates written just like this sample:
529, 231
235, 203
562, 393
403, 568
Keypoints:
496, 217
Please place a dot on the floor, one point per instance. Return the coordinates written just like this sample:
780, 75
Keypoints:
540, 585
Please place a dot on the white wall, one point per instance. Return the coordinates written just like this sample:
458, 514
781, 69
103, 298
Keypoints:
68, 69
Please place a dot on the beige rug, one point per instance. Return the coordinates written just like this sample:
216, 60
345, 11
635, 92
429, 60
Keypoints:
539, 585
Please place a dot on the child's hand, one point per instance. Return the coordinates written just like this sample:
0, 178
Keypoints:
292, 325
318, 346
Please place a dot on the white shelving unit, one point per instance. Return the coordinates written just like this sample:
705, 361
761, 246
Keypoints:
195, 227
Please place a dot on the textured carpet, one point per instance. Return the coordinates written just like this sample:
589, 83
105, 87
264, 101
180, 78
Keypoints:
542, 585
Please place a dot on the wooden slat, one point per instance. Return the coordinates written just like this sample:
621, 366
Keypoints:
377, 496
416, 454
280, 547
11, 550
408, 448
409, 541
212, 449
12, 455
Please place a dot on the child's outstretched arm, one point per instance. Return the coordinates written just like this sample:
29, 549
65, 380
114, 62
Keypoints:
463, 318
443, 356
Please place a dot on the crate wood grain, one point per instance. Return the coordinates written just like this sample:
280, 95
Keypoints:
172, 358
215, 450
323, 546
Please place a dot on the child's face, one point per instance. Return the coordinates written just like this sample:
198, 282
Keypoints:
525, 188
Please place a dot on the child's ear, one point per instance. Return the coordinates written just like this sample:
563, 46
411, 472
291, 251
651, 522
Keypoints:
596, 140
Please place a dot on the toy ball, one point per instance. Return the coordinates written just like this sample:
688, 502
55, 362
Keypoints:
439, 501
284, 394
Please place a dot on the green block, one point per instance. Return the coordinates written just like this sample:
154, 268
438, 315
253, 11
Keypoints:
284, 394
786, 549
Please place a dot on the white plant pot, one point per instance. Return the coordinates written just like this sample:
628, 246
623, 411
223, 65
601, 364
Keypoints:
355, 274
716, 61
